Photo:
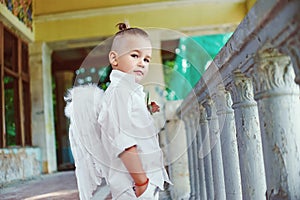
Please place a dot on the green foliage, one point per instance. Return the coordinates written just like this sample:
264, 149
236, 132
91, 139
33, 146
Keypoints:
168, 68
53, 85
193, 56
10, 113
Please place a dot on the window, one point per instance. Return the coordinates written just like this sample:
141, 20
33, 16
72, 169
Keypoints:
14, 90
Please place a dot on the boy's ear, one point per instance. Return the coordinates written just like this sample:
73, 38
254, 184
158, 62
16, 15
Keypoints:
113, 58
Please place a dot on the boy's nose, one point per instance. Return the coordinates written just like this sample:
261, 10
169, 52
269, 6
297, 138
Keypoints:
141, 63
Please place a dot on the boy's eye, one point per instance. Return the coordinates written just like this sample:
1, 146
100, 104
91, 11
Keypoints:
147, 60
134, 55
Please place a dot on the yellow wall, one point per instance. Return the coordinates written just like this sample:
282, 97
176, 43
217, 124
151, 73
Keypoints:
56, 20
202, 14
250, 3
42, 7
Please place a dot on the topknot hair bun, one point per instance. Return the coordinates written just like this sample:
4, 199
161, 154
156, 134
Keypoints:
123, 26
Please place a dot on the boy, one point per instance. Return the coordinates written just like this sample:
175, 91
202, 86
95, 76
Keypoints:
133, 166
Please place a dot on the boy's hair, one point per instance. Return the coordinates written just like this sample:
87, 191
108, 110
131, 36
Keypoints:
124, 29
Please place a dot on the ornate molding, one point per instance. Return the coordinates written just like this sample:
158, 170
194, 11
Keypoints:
273, 74
242, 90
15, 25
21, 9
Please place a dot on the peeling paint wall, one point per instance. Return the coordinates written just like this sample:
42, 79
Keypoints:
19, 164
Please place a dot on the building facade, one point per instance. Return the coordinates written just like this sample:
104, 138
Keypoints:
243, 109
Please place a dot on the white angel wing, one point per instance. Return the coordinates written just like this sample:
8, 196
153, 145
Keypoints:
83, 103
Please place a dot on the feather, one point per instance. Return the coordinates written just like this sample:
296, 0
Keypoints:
83, 107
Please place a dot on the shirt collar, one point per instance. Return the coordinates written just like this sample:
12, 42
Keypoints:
118, 76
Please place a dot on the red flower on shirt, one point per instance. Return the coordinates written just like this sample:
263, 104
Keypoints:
153, 107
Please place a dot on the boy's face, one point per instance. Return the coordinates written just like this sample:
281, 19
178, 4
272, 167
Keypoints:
132, 56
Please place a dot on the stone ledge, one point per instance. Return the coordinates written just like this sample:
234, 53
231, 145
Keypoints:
18, 163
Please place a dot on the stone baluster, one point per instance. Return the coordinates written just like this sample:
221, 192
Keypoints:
202, 182
216, 154
248, 138
205, 154
195, 126
228, 144
177, 154
188, 127
278, 103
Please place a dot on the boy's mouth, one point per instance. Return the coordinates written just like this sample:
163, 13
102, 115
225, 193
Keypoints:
139, 72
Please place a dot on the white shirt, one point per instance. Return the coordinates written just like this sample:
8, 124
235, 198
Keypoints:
125, 122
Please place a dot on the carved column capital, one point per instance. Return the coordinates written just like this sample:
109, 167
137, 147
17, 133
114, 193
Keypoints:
203, 114
186, 117
242, 90
223, 101
294, 52
210, 109
273, 74
290, 45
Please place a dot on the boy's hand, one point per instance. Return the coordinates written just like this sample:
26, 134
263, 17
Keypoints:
131, 160
139, 190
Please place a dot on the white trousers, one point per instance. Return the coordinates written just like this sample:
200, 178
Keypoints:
151, 193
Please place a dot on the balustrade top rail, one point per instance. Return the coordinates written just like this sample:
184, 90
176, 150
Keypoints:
269, 24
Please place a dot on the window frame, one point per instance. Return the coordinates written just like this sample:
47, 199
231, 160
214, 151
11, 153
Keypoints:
22, 102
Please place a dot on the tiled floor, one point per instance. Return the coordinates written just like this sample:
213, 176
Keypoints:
57, 186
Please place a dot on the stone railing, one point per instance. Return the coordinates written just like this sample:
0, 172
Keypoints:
242, 118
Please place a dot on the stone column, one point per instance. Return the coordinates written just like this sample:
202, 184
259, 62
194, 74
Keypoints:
188, 128
43, 134
177, 153
202, 182
195, 127
216, 154
205, 153
248, 138
229, 147
279, 107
